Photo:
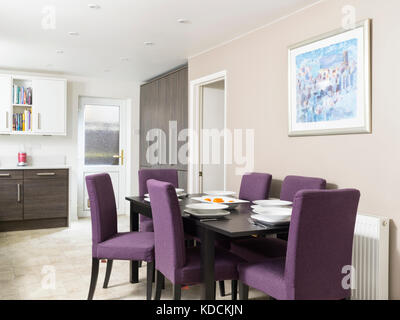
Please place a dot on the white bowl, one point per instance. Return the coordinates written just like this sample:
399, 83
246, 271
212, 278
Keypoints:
272, 203
267, 219
274, 214
206, 207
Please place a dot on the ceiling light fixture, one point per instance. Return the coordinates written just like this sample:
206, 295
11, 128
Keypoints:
60, 51
94, 6
148, 43
73, 33
183, 21
107, 70
124, 59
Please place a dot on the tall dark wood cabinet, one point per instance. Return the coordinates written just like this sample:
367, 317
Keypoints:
162, 100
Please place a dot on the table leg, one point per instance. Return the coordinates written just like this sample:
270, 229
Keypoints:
134, 265
208, 264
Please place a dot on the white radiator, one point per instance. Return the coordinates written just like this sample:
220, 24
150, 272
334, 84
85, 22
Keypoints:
371, 258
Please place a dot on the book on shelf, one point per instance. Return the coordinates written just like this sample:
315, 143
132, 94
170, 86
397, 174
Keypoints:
22, 121
22, 95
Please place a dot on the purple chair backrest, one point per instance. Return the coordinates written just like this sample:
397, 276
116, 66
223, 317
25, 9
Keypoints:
320, 243
168, 228
255, 186
102, 207
166, 175
292, 184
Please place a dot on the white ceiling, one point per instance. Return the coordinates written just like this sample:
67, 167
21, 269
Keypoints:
120, 28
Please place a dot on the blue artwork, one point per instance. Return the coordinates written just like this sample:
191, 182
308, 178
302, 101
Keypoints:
326, 88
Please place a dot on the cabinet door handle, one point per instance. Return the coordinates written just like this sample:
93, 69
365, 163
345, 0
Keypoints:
45, 174
38, 121
19, 193
6, 119
5, 175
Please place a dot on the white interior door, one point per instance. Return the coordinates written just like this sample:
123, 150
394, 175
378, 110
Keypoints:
212, 139
103, 146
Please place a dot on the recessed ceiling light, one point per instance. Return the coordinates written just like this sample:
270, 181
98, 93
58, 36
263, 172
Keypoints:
183, 20
60, 51
94, 6
148, 43
73, 33
124, 59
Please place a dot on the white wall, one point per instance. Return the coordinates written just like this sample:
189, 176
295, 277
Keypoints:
66, 147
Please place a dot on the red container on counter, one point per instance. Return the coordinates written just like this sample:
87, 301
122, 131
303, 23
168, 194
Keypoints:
21, 158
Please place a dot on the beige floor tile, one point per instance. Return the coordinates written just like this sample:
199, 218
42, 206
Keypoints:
24, 254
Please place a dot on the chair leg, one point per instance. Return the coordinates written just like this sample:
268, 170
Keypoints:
243, 291
150, 273
108, 273
176, 291
234, 289
221, 288
160, 281
93, 280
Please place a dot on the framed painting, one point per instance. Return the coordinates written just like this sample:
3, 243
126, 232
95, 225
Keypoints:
330, 83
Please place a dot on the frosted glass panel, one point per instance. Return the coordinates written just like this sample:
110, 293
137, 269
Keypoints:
101, 135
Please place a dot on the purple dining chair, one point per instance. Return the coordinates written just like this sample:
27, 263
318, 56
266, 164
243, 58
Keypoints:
292, 184
167, 175
181, 265
107, 242
257, 249
319, 246
255, 186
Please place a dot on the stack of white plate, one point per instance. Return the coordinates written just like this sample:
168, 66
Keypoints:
207, 210
272, 212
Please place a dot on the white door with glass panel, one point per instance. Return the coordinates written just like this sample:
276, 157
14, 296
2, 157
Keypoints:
102, 143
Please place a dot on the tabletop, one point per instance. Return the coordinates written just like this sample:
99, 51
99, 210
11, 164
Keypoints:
234, 225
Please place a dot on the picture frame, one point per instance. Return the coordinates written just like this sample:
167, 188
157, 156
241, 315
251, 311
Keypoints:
330, 83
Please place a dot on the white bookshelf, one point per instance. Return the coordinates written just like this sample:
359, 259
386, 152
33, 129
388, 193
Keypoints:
46, 110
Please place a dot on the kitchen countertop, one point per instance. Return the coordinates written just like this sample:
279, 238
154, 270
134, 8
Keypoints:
35, 167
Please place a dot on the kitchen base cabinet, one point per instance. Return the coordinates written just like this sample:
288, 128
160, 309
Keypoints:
11, 207
33, 199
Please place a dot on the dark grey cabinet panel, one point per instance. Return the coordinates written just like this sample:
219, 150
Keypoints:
161, 101
182, 179
45, 198
11, 200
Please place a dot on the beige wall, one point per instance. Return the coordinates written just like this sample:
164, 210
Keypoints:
257, 93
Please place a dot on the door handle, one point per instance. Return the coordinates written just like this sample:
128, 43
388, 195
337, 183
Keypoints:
38, 121
19, 193
6, 119
45, 174
5, 175
120, 157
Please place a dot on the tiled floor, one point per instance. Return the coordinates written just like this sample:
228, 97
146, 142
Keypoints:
56, 263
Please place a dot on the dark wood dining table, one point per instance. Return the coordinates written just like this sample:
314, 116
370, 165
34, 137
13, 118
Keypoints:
236, 225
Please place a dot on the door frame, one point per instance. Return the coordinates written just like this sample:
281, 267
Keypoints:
125, 116
195, 105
